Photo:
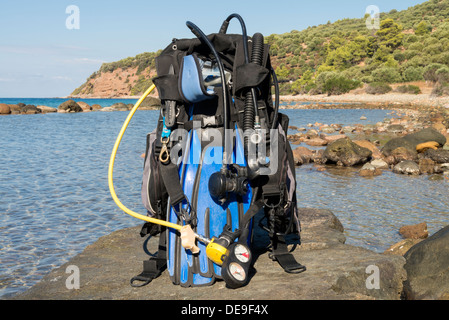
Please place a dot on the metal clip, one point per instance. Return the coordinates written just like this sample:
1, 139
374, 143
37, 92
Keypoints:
185, 214
164, 156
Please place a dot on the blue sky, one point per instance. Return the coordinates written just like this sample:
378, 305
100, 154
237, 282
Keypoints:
41, 57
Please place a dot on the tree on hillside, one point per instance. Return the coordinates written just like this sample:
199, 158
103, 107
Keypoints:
423, 28
390, 34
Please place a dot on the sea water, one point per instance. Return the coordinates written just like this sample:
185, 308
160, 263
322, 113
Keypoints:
55, 200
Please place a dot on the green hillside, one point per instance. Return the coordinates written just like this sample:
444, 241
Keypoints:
411, 45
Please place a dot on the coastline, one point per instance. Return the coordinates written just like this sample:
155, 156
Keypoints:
388, 99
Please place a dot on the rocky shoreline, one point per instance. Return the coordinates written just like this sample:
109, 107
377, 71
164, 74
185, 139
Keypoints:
413, 142
71, 106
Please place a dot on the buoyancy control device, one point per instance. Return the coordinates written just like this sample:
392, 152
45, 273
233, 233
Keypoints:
219, 155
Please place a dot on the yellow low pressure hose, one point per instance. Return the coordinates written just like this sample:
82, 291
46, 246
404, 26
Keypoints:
111, 170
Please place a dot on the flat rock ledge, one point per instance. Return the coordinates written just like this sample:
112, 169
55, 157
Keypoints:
335, 271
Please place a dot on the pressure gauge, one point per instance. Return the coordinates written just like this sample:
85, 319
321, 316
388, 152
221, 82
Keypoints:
236, 264
242, 253
237, 271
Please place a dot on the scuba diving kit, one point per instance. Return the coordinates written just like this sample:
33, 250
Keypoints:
219, 156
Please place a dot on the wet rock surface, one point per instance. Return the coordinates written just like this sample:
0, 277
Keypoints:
334, 270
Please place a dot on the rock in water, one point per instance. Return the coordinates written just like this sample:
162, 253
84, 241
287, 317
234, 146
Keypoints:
346, 153
69, 106
302, 155
4, 109
426, 166
411, 141
427, 145
370, 146
150, 103
120, 106
403, 154
439, 156
427, 268
407, 167
379, 163
30, 109
368, 170
316, 142
85, 106
418, 231
45, 109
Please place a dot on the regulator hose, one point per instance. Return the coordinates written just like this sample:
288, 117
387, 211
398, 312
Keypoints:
111, 170
187, 234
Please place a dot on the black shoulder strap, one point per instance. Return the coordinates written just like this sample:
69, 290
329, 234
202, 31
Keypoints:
153, 267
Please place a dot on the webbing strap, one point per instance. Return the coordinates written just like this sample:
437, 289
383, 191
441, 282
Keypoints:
281, 254
153, 267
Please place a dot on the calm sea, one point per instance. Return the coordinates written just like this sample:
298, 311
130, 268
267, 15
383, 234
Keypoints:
54, 196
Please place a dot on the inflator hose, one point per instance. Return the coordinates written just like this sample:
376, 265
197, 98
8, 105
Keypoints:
111, 170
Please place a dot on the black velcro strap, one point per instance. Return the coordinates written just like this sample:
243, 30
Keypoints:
281, 254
